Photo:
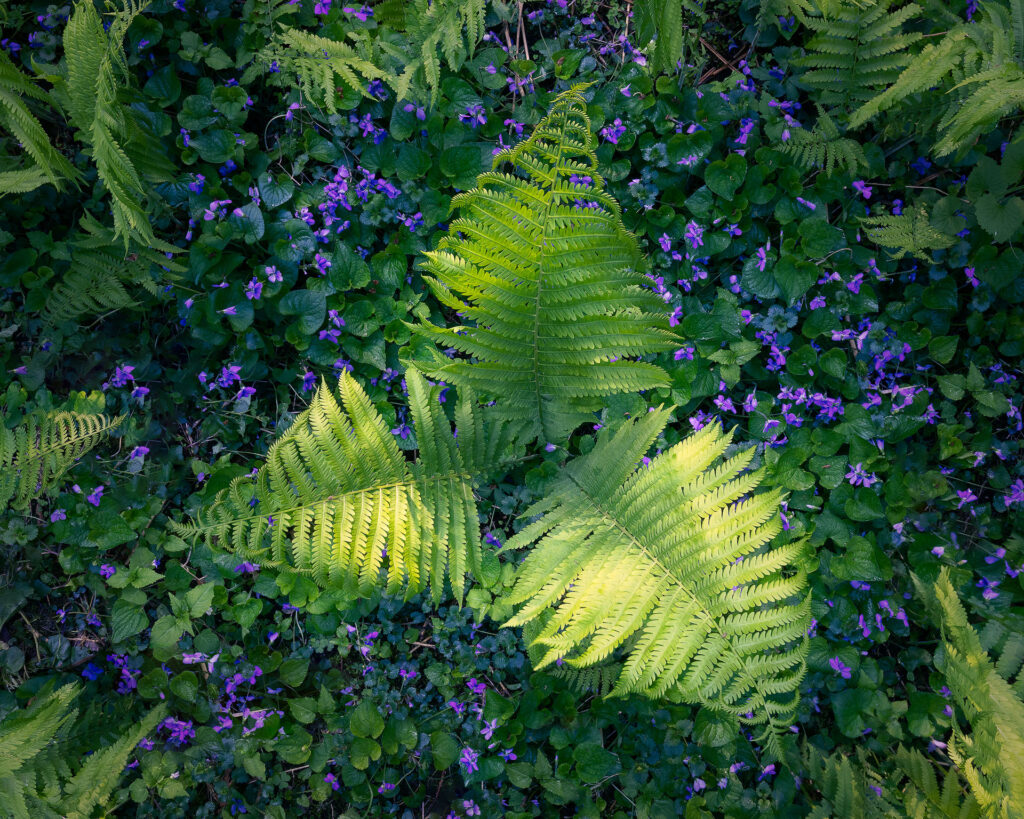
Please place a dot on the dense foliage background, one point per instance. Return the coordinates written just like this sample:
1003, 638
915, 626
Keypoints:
874, 365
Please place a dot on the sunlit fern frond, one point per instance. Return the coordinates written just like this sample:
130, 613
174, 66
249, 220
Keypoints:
541, 263
668, 563
36, 454
338, 500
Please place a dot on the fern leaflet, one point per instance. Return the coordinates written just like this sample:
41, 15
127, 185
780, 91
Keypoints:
824, 148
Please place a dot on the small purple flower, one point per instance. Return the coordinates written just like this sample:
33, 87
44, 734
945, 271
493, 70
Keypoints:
107, 571
468, 759
332, 780
862, 188
92, 672
840, 668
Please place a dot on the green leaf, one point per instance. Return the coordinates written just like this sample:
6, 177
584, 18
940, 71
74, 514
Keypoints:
952, 386
215, 147
293, 671
127, 620
200, 599
165, 634
185, 685
275, 192
594, 763
444, 749
724, 176
365, 720
309, 305
942, 348
795, 277
1002, 220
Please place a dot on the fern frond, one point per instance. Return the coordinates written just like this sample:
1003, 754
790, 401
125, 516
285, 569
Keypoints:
319, 64
923, 795
672, 556
850, 789
858, 49
34, 455
96, 68
336, 493
824, 148
910, 233
991, 756
92, 786
93, 285
540, 261
47, 163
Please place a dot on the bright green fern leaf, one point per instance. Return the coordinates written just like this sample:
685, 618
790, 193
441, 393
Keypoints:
925, 796
540, 262
824, 148
320, 64
910, 233
336, 491
34, 455
980, 68
847, 786
669, 563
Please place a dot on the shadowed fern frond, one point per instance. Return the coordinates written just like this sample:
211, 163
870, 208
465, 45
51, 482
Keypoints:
910, 233
453, 27
46, 164
850, 788
541, 263
991, 755
979, 66
319, 64
96, 69
337, 498
36, 778
858, 49
925, 795
669, 563
34, 455
824, 147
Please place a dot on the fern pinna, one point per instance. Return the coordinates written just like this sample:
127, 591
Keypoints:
541, 263
337, 498
669, 561
35, 454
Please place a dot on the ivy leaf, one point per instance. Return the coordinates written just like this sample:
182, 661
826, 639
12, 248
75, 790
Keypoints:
1003, 221
724, 176
309, 305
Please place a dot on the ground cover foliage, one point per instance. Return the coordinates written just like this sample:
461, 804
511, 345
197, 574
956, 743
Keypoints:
496, 409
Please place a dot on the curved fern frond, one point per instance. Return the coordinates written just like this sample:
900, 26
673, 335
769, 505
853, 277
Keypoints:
850, 789
337, 499
824, 148
910, 233
540, 261
35, 455
991, 756
672, 557
47, 164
